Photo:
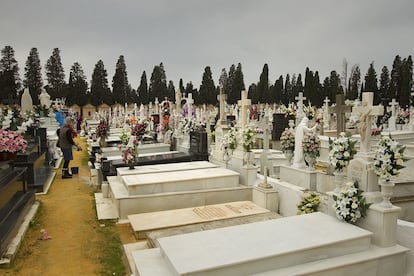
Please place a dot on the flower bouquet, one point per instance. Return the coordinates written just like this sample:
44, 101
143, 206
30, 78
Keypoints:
229, 140
311, 144
309, 204
139, 130
349, 204
124, 136
102, 130
12, 141
388, 160
248, 138
130, 153
341, 151
287, 140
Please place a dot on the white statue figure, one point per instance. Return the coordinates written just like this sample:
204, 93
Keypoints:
301, 129
44, 98
26, 102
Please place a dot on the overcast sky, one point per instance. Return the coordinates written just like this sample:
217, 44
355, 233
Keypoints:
188, 35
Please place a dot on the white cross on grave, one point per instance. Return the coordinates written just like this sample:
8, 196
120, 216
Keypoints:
190, 102
393, 118
340, 108
326, 114
366, 111
244, 103
221, 98
267, 128
178, 100
300, 100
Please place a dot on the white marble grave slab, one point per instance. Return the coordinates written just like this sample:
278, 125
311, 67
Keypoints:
141, 223
176, 181
171, 167
262, 246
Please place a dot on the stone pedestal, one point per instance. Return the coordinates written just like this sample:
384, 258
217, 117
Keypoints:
361, 170
266, 198
248, 175
300, 177
382, 222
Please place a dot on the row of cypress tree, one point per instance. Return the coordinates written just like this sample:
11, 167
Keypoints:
396, 83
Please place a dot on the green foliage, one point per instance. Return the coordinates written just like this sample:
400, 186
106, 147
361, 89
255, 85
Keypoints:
158, 84
207, 92
371, 83
55, 75
33, 75
100, 92
9, 74
120, 87
77, 86
142, 90
309, 204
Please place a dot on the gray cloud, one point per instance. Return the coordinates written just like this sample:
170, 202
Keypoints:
187, 35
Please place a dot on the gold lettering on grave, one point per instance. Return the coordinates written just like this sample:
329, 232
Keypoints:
209, 212
237, 209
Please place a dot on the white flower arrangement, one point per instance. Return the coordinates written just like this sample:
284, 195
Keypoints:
350, 205
229, 139
341, 151
388, 160
249, 136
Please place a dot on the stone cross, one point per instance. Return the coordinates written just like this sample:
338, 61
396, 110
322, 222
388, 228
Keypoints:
244, 103
340, 109
267, 128
190, 102
157, 105
221, 98
326, 114
300, 99
366, 112
178, 100
393, 105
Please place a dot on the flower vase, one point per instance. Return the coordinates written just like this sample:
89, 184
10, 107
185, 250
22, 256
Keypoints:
311, 161
339, 180
131, 166
102, 142
387, 190
248, 158
289, 156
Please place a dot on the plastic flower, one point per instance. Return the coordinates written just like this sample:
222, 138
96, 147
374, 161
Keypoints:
309, 204
229, 139
350, 205
341, 151
311, 144
102, 130
287, 139
388, 160
12, 141
248, 138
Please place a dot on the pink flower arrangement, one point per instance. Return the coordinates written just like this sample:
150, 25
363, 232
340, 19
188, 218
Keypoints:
139, 130
102, 130
311, 144
12, 141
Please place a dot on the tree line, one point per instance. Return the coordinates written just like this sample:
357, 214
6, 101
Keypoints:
396, 83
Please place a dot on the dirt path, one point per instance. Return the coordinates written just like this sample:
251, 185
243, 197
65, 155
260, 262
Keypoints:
68, 215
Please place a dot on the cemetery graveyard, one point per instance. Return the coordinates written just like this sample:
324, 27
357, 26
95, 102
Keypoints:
217, 190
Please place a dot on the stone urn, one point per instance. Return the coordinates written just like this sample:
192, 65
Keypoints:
387, 190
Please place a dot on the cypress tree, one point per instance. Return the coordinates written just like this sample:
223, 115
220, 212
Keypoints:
142, 90
100, 92
384, 89
158, 83
406, 79
354, 83
371, 83
9, 74
287, 91
55, 75
262, 91
278, 90
33, 75
120, 87
395, 76
77, 86
207, 91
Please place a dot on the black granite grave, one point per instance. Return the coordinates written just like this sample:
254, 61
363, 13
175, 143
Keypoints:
280, 122
108, 168
15, 201
198, 145
38, 169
